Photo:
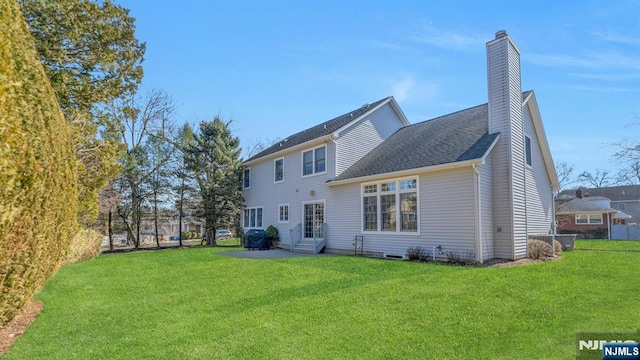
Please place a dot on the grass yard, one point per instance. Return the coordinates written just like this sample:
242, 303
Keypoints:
197, 304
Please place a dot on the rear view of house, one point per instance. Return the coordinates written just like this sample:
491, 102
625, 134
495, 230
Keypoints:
477, 182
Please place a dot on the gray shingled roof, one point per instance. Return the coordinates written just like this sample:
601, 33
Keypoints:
451, 138
317, 131
580, 205
614, 193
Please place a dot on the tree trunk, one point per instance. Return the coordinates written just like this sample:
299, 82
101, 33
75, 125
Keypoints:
110, 231
155, 216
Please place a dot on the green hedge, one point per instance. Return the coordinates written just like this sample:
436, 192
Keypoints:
38, 191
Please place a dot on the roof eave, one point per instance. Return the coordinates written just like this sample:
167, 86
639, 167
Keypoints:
280, 153
426, 169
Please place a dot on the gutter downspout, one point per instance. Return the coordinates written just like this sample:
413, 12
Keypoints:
478, 208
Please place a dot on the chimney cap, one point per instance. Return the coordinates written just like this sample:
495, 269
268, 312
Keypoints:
501, 33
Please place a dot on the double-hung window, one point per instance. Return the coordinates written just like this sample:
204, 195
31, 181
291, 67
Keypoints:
314, 161
390, 206
283, 213
246, 178
278, 167
589, 219
252, 218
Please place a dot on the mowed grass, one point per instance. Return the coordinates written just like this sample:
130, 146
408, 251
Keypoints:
196, 304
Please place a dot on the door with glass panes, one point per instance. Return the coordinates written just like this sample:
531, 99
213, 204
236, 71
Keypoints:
313, 219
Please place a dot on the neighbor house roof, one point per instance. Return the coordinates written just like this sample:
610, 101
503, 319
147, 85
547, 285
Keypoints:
320, 130
456, 137
614, 193
578, 205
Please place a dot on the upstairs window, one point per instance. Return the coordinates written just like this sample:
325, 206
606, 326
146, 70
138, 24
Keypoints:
246, 178
527, 149
279, 170
314, 161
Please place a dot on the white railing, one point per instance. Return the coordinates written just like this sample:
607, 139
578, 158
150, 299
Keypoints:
319, 240
295, 236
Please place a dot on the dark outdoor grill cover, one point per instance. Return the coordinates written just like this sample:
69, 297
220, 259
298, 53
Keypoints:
256, 239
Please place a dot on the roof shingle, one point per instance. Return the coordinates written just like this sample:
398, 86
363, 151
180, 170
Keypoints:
317, 131
459, 136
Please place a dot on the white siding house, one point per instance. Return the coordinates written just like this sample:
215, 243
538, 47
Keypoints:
475, 182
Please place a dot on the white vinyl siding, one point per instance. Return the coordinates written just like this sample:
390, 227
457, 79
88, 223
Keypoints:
445, 214
539, 195
486, 209
505, 117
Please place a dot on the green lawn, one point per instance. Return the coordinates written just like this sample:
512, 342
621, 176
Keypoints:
197, 304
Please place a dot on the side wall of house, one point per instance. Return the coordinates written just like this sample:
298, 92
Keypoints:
294, 190
360, 138
445, 217
539, 194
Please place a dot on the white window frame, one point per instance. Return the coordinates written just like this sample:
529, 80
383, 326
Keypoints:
280, 219
244, 178
528, 151
588, 218
398, 216
275, 171
622, 206
248, 214
313, 161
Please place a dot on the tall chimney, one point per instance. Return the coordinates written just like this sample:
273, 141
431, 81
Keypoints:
505, 117
579, 193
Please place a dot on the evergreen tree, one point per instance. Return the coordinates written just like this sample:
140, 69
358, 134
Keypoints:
214, 159
91, 57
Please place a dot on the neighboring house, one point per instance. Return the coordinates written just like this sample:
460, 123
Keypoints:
169, 227
584, 217
478, 181
624, 198
593, 216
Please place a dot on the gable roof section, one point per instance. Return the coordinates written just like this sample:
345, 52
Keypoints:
456, 137
579, 205
324, 129
529, 99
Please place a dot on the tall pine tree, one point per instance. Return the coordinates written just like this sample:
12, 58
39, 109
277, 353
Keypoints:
214, 159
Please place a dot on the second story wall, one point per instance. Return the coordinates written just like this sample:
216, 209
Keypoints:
361, 137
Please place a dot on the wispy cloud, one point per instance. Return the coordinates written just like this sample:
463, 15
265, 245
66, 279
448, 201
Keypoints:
407, 87
605, 60
402, 88
601, 88
378, 44
617, 38
446, 39
608, 77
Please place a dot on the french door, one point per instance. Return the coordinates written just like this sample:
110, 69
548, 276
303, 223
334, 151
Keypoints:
313, 218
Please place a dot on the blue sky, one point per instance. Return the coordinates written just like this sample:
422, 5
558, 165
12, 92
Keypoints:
278, 67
